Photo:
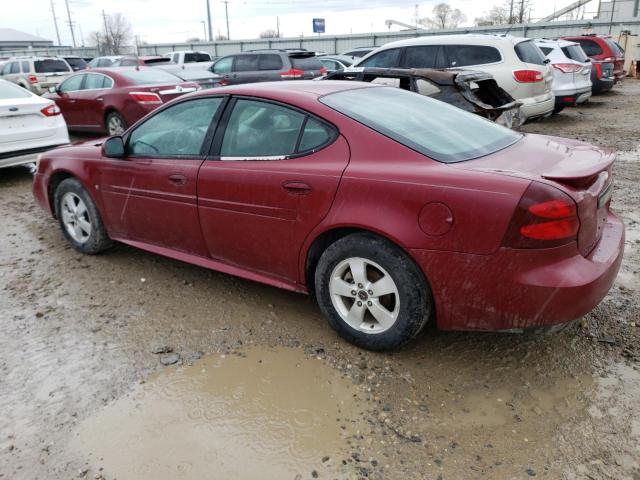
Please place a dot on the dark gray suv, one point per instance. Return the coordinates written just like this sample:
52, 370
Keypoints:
267, 66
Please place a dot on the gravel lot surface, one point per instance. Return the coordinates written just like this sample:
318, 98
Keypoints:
128, 365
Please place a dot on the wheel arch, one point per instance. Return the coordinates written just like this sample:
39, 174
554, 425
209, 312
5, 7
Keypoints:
56, 179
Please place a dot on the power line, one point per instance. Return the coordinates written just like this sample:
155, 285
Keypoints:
55, 22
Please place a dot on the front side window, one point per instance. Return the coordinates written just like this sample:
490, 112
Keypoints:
433, 128
71, 84
177, 131
385, 59
465, 55
223, 65
245, 63
528, 52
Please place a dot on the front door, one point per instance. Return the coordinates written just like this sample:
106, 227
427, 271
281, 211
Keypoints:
66, 99
272, 180
150, 194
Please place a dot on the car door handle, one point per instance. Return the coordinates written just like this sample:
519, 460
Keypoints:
72, 100
99, 99
297, 187
177, 179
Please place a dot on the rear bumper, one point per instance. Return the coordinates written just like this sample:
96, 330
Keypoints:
574, 97
602, 85
537, 107
25, 156
514, 289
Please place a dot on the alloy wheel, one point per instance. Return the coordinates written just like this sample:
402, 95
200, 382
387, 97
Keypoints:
75, 217
115, 125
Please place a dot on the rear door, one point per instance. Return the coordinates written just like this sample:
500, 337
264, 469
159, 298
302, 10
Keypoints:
533, 59
150, 195
90, 100
245, 69
272, 179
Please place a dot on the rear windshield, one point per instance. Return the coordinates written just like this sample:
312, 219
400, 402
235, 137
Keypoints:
76, 63
590, 47
51, 66
435, 129
149, 77
156, 61
529, 52
305, 63
196, 57
575, 52
11, 90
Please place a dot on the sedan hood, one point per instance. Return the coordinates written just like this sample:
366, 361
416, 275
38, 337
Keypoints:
557, 159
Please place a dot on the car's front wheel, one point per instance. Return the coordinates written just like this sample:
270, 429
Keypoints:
79, 218
371, 292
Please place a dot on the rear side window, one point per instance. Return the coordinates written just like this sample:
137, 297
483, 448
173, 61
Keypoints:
14, 67
590, 47
529, 52
575, 52
305, 63
548, 50
51, 66
425, 56
315, 135
245, 63
270, 62
195, 57
95, 81
463, 55
384, 59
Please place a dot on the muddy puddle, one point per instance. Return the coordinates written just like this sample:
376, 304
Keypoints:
268, 414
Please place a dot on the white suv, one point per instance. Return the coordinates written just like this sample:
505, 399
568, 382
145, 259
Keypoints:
517, 64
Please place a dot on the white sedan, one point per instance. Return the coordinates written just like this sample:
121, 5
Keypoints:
29, 125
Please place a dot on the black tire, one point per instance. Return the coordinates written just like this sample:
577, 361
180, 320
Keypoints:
114, 117
98, 240
415, 299
557, 109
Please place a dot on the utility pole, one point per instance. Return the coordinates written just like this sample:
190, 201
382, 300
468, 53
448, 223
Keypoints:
278, 26
613, 10
511, 12
106, 34
73, 35
209, 20
55, 22
204, 29
226, 14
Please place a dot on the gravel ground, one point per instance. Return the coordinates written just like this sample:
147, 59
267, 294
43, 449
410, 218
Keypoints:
78, 336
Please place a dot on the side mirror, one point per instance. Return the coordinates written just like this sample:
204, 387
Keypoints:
113, 147
546, 61
53, 89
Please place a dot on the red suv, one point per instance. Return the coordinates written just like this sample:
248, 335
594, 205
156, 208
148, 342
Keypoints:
603, 48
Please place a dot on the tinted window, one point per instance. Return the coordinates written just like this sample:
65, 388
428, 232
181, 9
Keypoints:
433, 128
6, 69
270, 62
14, 67
157, 61
51, 66
245, 63
315, 134
95, 81
615, 48
177, 131
575, 52
548, 50
465, 55
358, 53
195, 57
260, 129
127, 62
305, 63
106, 62
385, 59
25, 66
223, 65
149, 77
424, 56
330, 64
590, 47
71, 84
529, 52
11, 90
76, 63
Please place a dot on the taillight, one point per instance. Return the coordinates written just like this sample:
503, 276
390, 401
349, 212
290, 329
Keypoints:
545, 217
527, 76
33, 79
324, 71
147, 98
609, 59
223, 83
567, 67
51, 110
598, 70
292, 74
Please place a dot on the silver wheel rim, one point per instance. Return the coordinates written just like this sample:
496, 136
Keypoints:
75, 217
364, 295
115, 125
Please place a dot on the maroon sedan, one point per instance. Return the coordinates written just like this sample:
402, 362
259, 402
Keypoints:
105, 100
392, 208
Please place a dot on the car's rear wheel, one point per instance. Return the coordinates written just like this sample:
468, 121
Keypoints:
116, 124
371, 292
79, 218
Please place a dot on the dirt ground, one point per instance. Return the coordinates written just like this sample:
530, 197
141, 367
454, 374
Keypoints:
128, 365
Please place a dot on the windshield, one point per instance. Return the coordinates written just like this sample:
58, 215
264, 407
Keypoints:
435, 129
11, 90
196, 57
76, 63
575, 52
149, 77
51, 66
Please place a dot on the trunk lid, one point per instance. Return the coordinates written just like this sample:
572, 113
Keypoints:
581, 170
21, 120
166, 92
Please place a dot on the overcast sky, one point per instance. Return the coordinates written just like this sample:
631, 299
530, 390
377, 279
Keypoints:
176, 20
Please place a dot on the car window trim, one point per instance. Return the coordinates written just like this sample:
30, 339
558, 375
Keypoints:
205, 148
94, 89
221, 128
69, 78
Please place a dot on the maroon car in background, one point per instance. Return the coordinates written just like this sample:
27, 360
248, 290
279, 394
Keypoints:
392, 208
603, 48
106, 100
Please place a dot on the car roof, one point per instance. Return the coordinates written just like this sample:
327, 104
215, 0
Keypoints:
469, 39
558, 42
303, 87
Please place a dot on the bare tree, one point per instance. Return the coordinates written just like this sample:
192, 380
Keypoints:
444, 16
496, 16
518, 10
221, 37
269, 33
114, 36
